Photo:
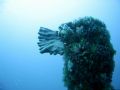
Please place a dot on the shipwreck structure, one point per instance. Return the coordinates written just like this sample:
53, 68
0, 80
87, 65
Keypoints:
87, 51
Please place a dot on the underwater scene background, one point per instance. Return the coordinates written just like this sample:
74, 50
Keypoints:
22, 67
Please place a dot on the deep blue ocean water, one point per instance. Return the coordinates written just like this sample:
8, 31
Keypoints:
22, 67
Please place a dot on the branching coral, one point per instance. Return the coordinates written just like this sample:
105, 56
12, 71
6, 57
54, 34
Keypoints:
88, 53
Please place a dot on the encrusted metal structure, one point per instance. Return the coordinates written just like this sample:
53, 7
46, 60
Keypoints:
87, 50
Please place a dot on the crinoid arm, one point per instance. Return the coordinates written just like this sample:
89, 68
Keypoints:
49, 42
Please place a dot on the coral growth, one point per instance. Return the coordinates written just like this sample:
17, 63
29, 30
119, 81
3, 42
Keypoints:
88, 53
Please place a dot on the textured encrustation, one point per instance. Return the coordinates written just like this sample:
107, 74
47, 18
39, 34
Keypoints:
88, 53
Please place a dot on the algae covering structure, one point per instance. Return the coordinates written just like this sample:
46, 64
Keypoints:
87, 51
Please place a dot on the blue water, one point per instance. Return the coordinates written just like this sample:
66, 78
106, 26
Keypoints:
22, 67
